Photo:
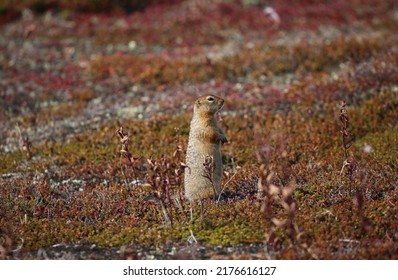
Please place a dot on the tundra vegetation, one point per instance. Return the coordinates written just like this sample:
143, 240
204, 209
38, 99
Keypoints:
96, 100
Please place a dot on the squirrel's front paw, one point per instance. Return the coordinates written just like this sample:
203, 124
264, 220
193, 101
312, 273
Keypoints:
223, 139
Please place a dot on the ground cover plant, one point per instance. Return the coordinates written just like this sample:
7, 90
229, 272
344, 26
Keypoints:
94, 120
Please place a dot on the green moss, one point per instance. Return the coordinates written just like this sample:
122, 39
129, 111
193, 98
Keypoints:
10, 161
380, 146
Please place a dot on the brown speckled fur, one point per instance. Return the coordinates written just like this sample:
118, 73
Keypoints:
205, 139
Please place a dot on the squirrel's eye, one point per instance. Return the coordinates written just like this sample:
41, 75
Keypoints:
210, 98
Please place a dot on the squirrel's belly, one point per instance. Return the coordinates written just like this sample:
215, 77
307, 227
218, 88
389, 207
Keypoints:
196, 181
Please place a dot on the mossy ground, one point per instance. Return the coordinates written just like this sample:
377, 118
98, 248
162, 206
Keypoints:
283, 86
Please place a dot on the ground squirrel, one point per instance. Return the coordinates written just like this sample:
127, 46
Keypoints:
205, 140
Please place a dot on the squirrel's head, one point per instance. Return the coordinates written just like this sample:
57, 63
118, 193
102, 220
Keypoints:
209, 104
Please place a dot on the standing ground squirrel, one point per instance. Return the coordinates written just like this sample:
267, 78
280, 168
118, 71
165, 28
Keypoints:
205, 140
